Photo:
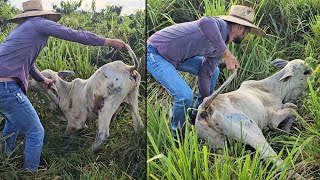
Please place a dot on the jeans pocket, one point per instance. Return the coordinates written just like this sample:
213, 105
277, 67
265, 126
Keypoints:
154, 66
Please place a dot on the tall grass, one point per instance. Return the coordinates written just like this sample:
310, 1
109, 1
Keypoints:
287, 26
192, 159
122, 156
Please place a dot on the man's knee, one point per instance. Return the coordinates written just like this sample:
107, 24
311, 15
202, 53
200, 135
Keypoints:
41, 133
37, 134
186, 96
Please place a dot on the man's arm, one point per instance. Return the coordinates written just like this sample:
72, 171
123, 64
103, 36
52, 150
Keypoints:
36, 74
206, 72
210, 30
51, 28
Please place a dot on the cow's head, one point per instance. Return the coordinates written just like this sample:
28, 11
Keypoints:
53, 90
292, 77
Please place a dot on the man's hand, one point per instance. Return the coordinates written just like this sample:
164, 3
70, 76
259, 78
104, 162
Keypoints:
47, 82
230, 61
115, 43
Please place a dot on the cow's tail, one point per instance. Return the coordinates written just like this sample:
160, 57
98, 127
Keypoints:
209, 99
134, 58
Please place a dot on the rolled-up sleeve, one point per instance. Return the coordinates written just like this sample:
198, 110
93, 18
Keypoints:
51, 28
210, 30
206, 71
35, 73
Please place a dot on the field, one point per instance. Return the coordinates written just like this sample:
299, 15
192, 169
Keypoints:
293, 28
122, 156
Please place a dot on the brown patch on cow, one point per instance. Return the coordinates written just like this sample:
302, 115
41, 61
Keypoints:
210, 110
98, 104
70, 103
133, 76
233, 97
204, 115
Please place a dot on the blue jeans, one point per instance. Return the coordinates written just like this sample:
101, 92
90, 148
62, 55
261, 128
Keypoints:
19, 114
165, 73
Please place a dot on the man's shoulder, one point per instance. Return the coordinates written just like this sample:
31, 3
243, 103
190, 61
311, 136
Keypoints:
38, 21
216, 19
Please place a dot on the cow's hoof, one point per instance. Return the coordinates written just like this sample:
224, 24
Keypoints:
85, 126
67, 133
70, 131
141, 127
290, 105
94, 148
287, 127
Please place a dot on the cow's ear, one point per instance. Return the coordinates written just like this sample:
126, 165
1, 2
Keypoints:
279, 63
286, 75
65, 74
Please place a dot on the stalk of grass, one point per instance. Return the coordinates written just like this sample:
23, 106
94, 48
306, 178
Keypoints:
285, 22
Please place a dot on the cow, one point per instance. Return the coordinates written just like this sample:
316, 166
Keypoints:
243, 113
98, 97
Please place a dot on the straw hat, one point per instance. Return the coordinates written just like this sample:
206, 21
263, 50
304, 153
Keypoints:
33, 8
245, 16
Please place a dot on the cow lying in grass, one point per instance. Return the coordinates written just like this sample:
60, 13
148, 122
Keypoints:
98, 97
241, 114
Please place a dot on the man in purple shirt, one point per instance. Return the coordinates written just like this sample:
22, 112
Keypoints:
196, 47
18, 53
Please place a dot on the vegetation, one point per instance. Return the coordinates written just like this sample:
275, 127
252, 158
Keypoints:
293, 32
66, 157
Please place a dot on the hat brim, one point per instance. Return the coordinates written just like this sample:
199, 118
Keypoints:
47, 15
253, 29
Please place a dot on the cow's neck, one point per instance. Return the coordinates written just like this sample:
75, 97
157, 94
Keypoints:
276, 87
66, 87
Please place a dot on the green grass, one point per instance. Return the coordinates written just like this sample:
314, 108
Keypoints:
192, 159
122, 156
291, 35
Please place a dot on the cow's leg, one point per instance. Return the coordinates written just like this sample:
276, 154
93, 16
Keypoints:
133, 106
255, 138
291, 119
121, 107
245, 129
104, 119
276, 117
286, 127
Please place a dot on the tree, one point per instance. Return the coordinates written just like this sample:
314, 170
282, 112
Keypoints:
67, 7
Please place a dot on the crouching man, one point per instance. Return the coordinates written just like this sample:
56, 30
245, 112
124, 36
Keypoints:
196, 47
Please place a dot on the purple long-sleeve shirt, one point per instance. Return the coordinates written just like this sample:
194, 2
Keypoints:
23, 45
204, 37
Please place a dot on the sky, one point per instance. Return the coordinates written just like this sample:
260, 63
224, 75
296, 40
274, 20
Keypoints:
129, 6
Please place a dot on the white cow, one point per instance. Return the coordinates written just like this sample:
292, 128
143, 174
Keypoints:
241, 114
98, 97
